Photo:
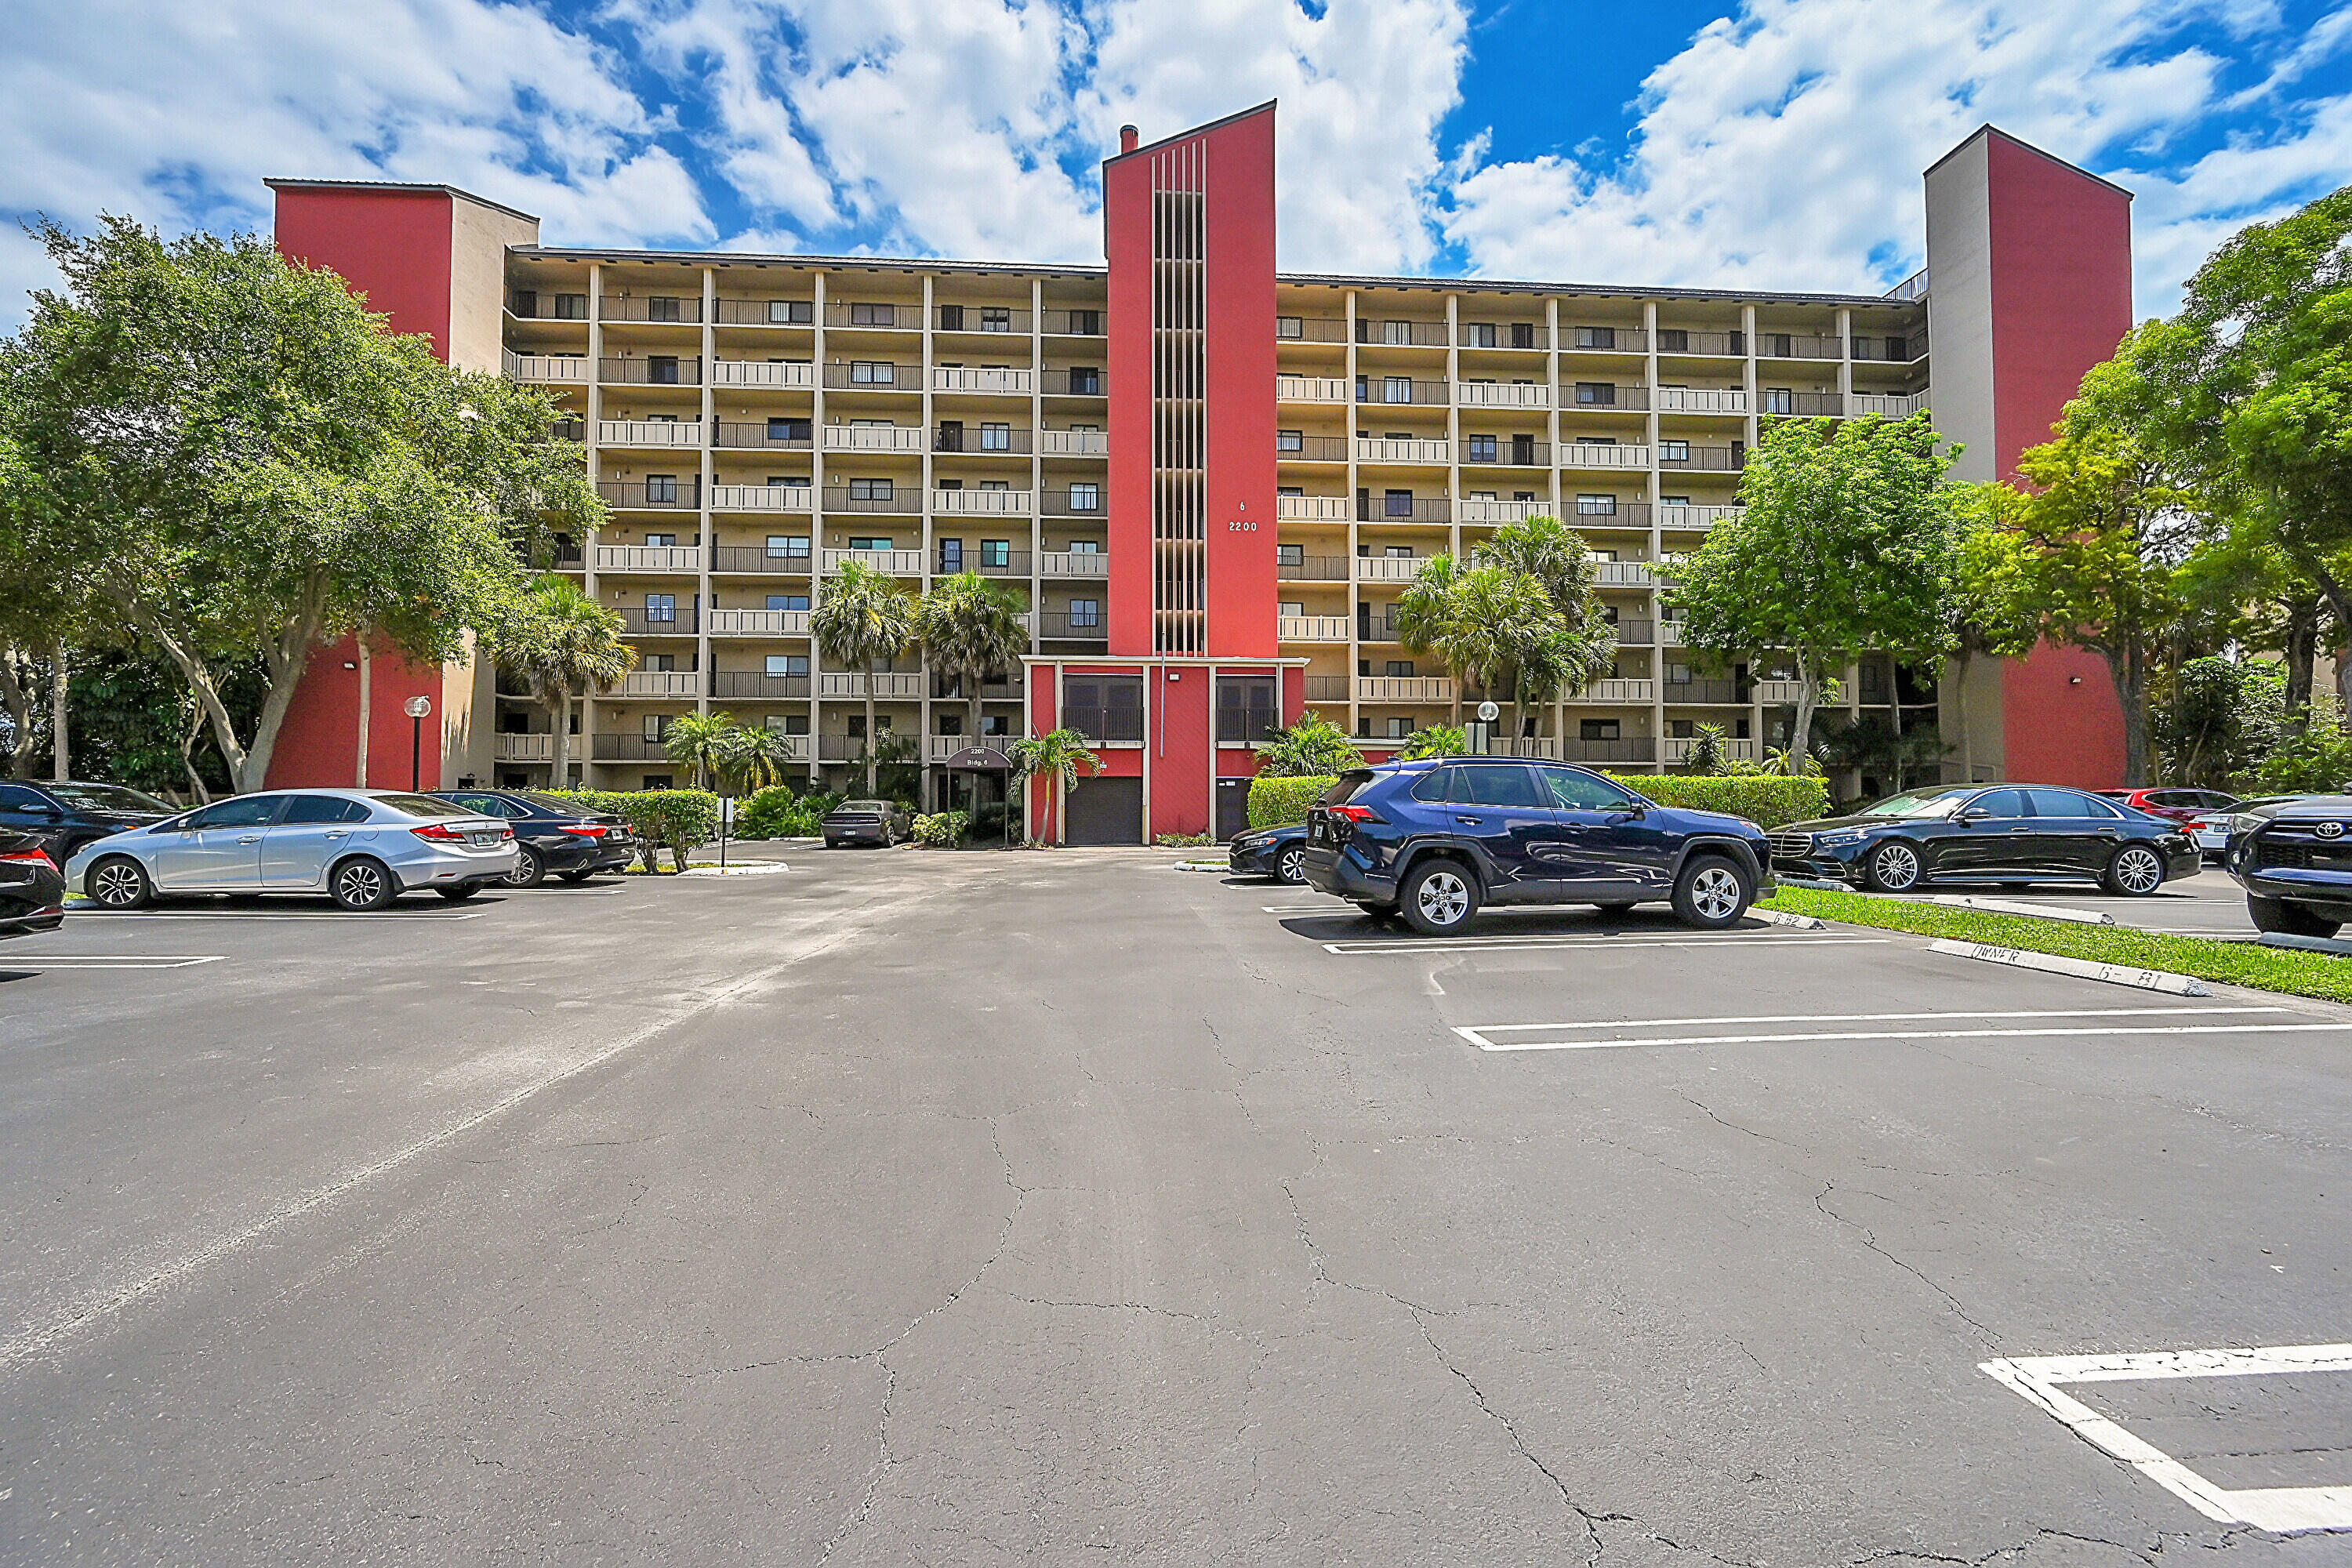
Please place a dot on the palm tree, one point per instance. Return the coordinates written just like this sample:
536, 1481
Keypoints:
1557, 557
862, 617
1499, 624
1060, 755
1423, 612
969, 628
556, 638
703, 741
756, 756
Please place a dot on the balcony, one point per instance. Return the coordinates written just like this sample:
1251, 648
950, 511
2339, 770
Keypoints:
1389, 568
1588, 455
1624, 574
1625, 514
764, 312
1908, 349
1712, 345
1630, 749
565, 370
896, 500
763, 498
1401, 335
760, 558
1072, 444
1310, 389
685, 558
874, 376
844, 747
1076, 382
513, 748
1311, 629
1074, 563
660, 683
1696, 516
1635, 632
883, 315
1074, 323
1705, 694
1010, 382
1313, 509
757, 686
895, 562
1779, 693
1619, 688
1544, 746
651, 369
983, 504
1429, 453
677, 309
1605, 340
618, 748
1086, 501
636, 621
757, 623
792, 375
1605, 397
1702, 400
1803, 404
986, 441
997, 689
1480, 510
1888, 405
997, 321
1506, 452
1399, 391
890, 685
1502, 395
1010, 563
1798, 346
670, 433
761, 435
1403, 688
873, 438
1315, 569
1060, 626
1310, 448
1706, 459
1116, 726
1670, 634
1735, 748
1404, 509
1310, 329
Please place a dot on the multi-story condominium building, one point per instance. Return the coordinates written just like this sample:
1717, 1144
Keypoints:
1208, 481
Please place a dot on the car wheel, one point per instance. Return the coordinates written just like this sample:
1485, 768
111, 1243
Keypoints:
2135, 871
2287, 919
460, 893
119, 882
529, 870
363, 883
1712, 892
1439, 898
1895, 867
1290, 866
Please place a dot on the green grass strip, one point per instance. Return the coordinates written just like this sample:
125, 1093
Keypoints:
2246, 963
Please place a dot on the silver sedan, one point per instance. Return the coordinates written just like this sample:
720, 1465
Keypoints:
362, 848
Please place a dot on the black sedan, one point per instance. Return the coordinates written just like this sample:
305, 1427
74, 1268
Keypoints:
866, 822
2294, 857
70, 814
32, 887
553, 836
1277, 852
1989, 833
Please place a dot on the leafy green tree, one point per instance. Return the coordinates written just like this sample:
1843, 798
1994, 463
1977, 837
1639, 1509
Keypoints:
1434, 740
969, 628
556, 639
245, 463
2316, 761
1582, 646
862, 617
1314, 745
756, 758
1059, 756
1846, 541
2217, 717
703, 741
1423, 614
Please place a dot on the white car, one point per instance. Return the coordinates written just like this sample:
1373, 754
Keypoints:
2211, 829
362, 848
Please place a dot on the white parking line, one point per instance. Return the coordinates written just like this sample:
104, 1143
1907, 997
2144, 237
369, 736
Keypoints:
1549, 943
97, 961
1478, 1037
244, 916
2283, 1511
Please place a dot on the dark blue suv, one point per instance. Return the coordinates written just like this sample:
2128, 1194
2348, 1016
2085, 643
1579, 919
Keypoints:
1433, 840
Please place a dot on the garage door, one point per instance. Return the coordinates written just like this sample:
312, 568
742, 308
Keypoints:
1107, 811
1232, 807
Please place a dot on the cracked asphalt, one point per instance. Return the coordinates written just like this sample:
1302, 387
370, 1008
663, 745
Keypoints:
988, 1209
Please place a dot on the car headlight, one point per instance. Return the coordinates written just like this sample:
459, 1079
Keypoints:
2245, 823
1842, 836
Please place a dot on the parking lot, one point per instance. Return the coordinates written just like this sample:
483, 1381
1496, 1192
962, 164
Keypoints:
1016, 1208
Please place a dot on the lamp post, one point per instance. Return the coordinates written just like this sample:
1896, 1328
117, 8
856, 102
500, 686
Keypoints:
416, 708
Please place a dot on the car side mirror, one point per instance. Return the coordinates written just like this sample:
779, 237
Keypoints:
1976, 813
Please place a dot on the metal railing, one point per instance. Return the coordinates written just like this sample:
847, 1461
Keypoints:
651, 369
1327, 689
1397, 391
1738, 749
1072, 383
906, 500
889, 685
1310, 329
1316, 569
1798, 346
1685, 340
1600, 396
1636, 632
993, 320
1058, 624
874, 376
1502, 335
1401, 335
1604, 340
611, 748
1403, 509
763, 498
1504, 452
1630, 749
761, 435
1712, 459
1007, 441
1715, 693
1912, 288
1891, 405
1111, 724
1087, 502
1074, 323
1801, 405
883, 315
1310, 448
1012, 563
753, 683
1000, 688
636, 621
1625, 514
764, 312
680, 309
1888, 348
635, 495
758, 558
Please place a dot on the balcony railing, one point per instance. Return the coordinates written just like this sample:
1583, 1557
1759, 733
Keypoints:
637, 621
983, 504
1310, 329
1116, 725
1403, 509
1636, 632
1074, 563
1779, 693
763, 498
1619, 688
1315, 569
1074, 323
1696, 516
1908, 348
1010, 563
1017, 383
1624, 574
1389, 568
1737, 749
895, 685
1002, 688
1625, 514
757, 623
564, 369
1720, 345
1073, 443
896, 563
1630, 749
648, 558
679, 308
514, 748
904, 500
1314, 509
651, 369
793, 375
1588, 455
1479, 510
664, 683
741, 684
758, 558
649, 433
1888, 405
1530, 335
1072, 383
1376, 449
764, 312
1503, 395
1671, 634
1394, 391
1000, 441
873, 438
1798, 346
1311, 629
1087, 502
1310, 389
1403, 688
1702, 400
1604, 340
993, 320
1802, 405
1506, 452
612, 748
885, 315
1401, 335
874, 376
1310, 448
761, 435
1712, 459
1603, 398
1060, 625
1712, 693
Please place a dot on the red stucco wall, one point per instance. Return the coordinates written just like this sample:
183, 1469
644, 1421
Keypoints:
1242, 590
320, 742
1127, 247
1180, 746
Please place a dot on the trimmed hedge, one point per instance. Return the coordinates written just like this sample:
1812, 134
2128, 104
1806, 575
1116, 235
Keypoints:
672, 819
1768, 800
1276, 801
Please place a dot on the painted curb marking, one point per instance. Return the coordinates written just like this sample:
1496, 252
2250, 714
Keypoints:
2081, 968
2041, 912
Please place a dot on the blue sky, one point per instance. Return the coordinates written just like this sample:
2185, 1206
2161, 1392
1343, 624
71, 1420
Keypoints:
1764, 143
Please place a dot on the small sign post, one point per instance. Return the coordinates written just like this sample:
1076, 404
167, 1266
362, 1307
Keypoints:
416, 708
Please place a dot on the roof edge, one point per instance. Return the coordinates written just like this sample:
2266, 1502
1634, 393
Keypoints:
1989, 129
410, 187
1191, 131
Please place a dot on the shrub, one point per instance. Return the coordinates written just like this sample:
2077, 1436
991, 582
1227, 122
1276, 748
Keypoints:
1436, 740
2316, 761
1314, 747
770, 813
1185, 840
672, 819
1273, 801
1765, 799
942, 829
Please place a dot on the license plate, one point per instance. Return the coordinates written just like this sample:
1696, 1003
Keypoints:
483, 841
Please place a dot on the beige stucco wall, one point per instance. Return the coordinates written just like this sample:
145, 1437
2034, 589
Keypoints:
478, 237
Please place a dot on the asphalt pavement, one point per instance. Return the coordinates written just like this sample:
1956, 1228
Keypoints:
984, 1209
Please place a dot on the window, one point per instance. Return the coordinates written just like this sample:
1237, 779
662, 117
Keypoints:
1398, 729
1104, 707
308, 810
1999, 803
2066, 803
1437, 784
788, 664
1291, 607
1574, 791
661, 539
1596, 506
1399, 666
1288, 326
996, 437
788, 429
1596, 728
791, 723
660, 663
996, 552
873, 315
1773, 345
858, 725
790, 312
1247, 708
571, 307
788, 546
1600, 338
1672, 341
1506, 784
661, 607
661, 370
1673, 501
1601, 393
873, 372
996, 319
1398, 551
1086, 613
1679, 675
1396, 389
1086, 497
1673, 451
1289, 440
947, 484
662, 308
1780, 400
1397, 503
873, 542
1481, 450
1089, 324
655, 727
996, 484
1085, 380
1523, 335
950, 555
870, 490
788, 601
950, 724
1290, 555
661, 488
656, 781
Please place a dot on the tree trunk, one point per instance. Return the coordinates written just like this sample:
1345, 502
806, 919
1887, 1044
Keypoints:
1961, 662
1800, 738
17, 698
202, 796
60, 752
562, 745
872, 740
2128, 668
367, 700
2301, 651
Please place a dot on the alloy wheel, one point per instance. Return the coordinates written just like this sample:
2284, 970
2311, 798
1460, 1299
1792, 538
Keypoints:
1896, 867
359, 885
116, 885
1292, 865
526, 873
1715, 892
1445, 899
2138, 871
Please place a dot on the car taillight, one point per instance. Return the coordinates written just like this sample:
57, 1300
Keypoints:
587, 830
27, 857
439, 833
1352, 813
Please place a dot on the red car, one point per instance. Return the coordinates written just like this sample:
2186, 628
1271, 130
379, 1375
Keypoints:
2174, 805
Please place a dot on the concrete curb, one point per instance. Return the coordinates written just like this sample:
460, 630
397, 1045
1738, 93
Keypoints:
2042, 911
2330, 944
746, 868
1201, 866
1795, 923
2081, 968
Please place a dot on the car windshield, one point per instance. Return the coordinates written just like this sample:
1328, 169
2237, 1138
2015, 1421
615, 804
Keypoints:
1941, 803
551, 803
422, 805
878, 807
108, 797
